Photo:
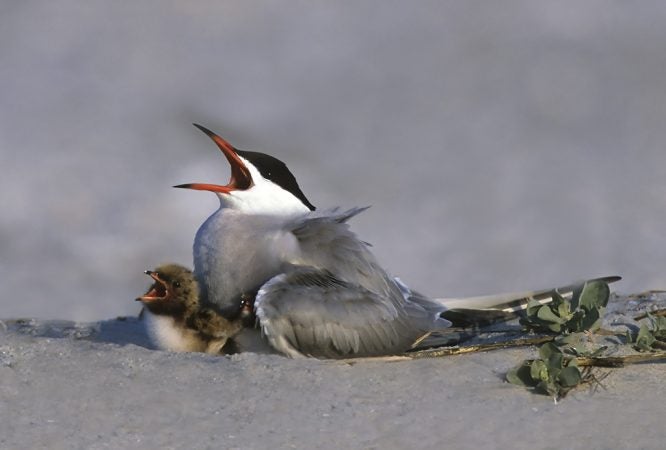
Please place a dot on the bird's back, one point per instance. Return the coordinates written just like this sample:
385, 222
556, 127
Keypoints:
335, 300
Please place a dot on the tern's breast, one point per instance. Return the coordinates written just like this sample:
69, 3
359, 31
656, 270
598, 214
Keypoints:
235, 253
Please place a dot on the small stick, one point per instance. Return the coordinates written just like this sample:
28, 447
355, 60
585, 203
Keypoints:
657, 312
620, 361
606, 332
448, 351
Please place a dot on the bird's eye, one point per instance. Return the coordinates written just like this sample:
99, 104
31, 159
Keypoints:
176, 284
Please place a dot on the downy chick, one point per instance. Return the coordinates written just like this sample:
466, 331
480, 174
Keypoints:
176, 321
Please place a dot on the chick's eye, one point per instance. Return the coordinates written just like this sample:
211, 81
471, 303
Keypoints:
175, 284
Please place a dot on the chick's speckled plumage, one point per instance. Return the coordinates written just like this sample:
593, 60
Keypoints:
176, 320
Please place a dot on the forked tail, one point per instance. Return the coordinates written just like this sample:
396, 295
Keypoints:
517, 301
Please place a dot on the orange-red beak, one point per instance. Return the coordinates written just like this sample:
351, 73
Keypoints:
240, 174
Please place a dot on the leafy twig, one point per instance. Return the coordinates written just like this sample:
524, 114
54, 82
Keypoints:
650, 337
553, 374
582, 312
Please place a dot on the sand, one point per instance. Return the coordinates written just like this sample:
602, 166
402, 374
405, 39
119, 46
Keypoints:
101, 385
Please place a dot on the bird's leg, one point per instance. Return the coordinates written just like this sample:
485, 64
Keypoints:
247, 315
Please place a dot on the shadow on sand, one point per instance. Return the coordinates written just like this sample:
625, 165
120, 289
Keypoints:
119, 331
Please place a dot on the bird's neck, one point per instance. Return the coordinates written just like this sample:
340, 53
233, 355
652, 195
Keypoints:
263, 198
177, 311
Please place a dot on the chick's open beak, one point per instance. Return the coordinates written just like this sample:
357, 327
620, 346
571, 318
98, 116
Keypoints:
158, 290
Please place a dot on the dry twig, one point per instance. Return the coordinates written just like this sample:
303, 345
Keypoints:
657, 312
448, 351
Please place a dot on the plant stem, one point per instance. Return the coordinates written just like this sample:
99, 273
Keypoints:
657, 312
620, 361
448, 351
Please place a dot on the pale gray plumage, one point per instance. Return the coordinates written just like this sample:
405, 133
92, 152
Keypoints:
326, 296
235, 253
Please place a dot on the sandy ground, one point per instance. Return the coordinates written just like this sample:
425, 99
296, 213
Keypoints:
100, 385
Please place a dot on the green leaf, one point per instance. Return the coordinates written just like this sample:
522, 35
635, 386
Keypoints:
569, 376
520, 375
563, 310
575, 297
533, 307
539, 370
552, 357
595, 295
548, 388
575, 324
548, 349
557, 299
644, 339
658, 326
547, 315
592, 319
555, 362
659, 322
644, 333
555, 327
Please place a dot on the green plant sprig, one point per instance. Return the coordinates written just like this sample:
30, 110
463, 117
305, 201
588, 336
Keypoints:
553, 374
582, 312
650, 337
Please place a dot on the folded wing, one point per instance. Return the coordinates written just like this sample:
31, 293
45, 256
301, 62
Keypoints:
311, 312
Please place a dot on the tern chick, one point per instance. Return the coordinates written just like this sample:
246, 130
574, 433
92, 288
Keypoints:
175, 319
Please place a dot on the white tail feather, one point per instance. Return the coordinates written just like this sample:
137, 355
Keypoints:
516, 301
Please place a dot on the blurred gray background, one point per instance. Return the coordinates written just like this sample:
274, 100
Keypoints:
503, 145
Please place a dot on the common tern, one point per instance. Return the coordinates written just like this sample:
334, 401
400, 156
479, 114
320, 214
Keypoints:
177, 321
319, 290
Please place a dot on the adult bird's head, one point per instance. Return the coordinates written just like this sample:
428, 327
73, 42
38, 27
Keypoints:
259, 183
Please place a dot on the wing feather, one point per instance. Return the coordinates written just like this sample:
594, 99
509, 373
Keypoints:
309, 311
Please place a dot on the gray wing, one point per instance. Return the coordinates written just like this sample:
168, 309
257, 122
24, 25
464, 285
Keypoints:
311, 312
326, 242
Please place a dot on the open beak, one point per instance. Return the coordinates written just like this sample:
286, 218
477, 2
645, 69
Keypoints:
240, 174
158, 291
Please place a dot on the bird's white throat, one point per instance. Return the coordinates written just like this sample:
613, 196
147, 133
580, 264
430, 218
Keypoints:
263, 197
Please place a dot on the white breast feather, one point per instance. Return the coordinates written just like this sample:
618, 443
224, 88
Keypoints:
164, 333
